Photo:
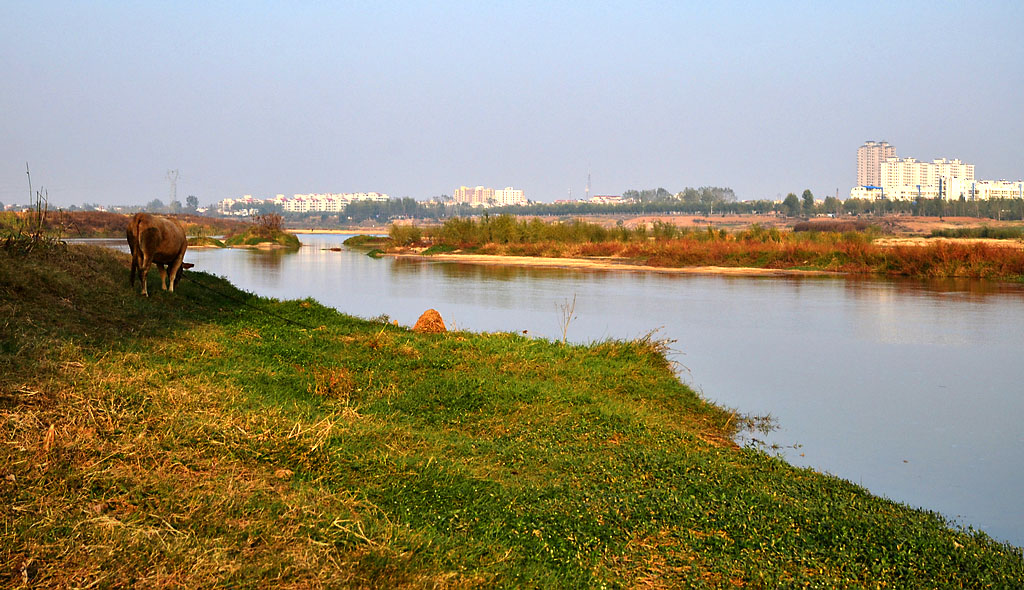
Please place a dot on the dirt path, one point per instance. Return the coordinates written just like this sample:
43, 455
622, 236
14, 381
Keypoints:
893, 242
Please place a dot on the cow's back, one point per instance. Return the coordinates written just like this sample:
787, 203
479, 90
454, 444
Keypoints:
160, 239
156, 240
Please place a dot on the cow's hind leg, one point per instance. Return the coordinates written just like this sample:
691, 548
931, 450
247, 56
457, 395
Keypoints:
142, 276
173, 270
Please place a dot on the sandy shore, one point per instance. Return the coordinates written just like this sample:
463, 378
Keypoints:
609, 264
911, 241
353, 232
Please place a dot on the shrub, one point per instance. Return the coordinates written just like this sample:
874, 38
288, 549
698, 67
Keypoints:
405, 235
831, 225
439, 249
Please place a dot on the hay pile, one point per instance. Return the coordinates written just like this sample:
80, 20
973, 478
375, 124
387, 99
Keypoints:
430, 323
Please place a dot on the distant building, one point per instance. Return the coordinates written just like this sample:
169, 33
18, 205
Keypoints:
475, 196
480, 196
598, 200
864, 192
242, 206
870, 157
997, 189
299, 203
880, 174
907, 178
609, 200
509, 196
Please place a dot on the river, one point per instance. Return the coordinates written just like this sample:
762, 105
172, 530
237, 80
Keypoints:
912, 389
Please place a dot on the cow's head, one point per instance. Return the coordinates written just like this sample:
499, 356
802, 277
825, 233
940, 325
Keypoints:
181, 269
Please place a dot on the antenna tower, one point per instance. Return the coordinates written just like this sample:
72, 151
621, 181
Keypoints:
172, 177
588, 183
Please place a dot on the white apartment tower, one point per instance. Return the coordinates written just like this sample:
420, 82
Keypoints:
880, 174
870, 158
909, 179
504, 197
481, 196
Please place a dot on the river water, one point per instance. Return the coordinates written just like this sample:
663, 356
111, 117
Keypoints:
912, 389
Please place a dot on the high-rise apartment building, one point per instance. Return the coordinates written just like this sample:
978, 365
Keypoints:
909, 179
477, 195
870, 157
881, 175
483, 196
509, 196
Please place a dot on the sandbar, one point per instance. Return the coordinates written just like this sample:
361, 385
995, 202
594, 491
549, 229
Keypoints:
609, 264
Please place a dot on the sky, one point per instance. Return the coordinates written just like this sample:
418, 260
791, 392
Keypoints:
102, 99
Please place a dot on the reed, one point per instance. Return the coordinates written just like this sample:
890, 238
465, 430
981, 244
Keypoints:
828, 247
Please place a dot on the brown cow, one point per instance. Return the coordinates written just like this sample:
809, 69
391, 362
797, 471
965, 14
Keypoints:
156, 240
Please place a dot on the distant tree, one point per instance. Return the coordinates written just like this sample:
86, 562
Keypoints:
855, 206
713, 195
191, 203
791, 205
174, 206
268, 208
690, 196
650, 195
808, 198
833, 206
155, 205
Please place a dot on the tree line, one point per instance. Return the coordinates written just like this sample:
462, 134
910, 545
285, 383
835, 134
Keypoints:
697, 201
707, 200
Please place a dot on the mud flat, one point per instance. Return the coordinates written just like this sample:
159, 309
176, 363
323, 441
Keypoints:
611, 264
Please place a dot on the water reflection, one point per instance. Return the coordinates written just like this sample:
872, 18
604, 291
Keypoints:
269, 261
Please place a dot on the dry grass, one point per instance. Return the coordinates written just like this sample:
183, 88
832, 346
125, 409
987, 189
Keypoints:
846, 253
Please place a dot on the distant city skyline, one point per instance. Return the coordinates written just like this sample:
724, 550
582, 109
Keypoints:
413, 99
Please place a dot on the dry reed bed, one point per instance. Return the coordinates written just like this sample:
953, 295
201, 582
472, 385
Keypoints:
935, 259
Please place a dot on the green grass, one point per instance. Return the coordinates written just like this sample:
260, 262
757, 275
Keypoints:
206, 242
366, 241
255, 235
211, 438
996, 233
439, 249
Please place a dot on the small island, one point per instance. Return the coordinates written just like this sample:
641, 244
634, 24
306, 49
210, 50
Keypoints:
266, 232
815, 247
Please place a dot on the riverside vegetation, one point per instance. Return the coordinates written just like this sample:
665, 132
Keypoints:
850, 250
262, 229
213, 438
104, 224
265, 229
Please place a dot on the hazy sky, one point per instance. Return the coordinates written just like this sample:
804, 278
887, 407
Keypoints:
417, 98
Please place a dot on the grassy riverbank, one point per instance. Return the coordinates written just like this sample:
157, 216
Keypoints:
667, 246
211, 438
104, 224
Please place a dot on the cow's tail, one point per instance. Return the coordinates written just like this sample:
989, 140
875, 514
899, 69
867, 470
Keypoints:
133, 247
